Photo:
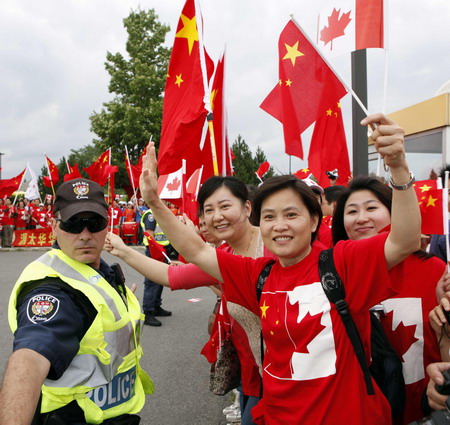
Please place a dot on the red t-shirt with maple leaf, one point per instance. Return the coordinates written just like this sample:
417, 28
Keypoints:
408, 328
311, 373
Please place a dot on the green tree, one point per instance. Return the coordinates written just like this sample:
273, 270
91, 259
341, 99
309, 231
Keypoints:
245, 164
138, 82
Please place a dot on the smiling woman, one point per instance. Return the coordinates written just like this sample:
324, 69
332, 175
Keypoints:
307, 352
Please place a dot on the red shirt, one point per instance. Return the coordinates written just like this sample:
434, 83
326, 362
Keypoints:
7, 216
408, 328
311, 373
21, 218
115, 214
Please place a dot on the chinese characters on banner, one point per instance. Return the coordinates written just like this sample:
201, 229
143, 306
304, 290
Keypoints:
33, 238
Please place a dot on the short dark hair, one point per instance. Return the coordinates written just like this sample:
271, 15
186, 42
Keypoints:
374, 185
236, 187
277, 183
332, 193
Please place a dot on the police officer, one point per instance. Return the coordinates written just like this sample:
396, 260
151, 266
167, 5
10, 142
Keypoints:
76, 327
152, 291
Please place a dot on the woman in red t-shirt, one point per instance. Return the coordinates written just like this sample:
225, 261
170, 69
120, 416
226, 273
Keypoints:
363, 211
21, 216
310, 371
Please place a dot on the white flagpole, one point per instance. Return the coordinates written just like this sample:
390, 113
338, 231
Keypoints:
131, 171
445, 215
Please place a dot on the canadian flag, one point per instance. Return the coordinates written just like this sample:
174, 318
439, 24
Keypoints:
169, 185
348, 25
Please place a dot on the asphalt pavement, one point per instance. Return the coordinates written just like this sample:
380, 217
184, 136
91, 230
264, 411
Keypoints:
172, 352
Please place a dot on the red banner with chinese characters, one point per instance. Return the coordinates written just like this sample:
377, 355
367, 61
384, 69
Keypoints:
33, 237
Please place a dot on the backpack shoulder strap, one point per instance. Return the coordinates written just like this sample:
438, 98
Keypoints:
335, 292
262, 279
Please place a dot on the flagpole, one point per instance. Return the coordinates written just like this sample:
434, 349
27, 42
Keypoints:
340, 78
207, 94
131, 171
445, 215
48, 171
68, 166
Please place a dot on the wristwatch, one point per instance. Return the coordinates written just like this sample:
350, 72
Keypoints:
405, 186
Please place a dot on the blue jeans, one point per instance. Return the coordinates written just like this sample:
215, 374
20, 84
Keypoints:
152, 293
248, 402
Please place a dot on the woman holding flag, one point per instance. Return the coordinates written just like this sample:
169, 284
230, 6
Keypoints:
364, 211
310, 368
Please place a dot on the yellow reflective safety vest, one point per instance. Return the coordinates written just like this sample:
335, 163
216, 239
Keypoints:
104, 377
158, 233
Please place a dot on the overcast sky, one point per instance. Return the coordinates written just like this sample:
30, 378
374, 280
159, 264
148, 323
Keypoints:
52, 55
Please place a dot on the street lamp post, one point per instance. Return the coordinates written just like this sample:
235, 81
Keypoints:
1, 153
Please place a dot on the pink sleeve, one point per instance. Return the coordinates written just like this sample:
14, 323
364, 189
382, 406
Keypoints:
189, 276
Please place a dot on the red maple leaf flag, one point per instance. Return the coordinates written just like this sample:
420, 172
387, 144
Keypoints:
99, 170
184, 111
402, 336
263, 168
347, 25
74, 173
9, 186
432, 207
306, 87
328, 149
169, 186
53, 173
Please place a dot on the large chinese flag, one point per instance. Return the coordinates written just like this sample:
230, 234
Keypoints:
306, 87
347, 25
224, 164
99, 170
53, 173
328, 149
184, 112
9, 186
431, 202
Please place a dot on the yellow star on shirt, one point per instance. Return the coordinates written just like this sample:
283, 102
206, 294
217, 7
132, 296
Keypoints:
329, 112
288, 83
179, 80
292, 53
264, 308
189, 31
431, 201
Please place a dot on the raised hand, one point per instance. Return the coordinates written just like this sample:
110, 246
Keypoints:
388, 138
148, 181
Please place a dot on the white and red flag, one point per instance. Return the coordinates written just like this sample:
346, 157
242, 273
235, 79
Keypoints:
348, 25
169, 185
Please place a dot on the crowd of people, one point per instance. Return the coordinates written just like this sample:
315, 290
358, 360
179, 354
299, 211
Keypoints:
22, 214
260, 255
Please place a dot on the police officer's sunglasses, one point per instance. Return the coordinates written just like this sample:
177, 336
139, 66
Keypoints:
77, 225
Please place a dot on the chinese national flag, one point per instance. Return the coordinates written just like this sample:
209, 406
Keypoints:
184, 112
99, 170
157, 251
217, 99
9, 186
328, 148
306, 87
73, 174
431, 202
53, 176
303, 173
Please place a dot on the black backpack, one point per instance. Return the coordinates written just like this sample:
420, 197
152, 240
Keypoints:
386, 367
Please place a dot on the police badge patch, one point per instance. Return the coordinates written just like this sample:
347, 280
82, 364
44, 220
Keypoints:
42, 307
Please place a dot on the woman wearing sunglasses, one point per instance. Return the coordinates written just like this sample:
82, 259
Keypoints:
311, 374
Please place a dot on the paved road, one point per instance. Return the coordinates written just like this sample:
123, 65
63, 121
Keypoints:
171, 358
